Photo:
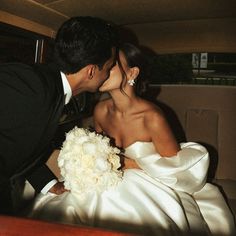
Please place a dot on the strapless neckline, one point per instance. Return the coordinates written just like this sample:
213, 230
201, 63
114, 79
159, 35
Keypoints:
143, 142
139, 149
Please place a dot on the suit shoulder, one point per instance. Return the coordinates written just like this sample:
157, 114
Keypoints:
14, 67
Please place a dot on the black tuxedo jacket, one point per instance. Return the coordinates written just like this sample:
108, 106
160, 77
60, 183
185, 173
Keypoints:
31, 103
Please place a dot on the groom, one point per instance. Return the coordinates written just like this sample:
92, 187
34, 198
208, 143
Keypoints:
32, 99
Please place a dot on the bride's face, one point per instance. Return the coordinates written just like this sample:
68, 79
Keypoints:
115, 79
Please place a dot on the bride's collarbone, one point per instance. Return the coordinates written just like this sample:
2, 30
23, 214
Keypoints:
126, 121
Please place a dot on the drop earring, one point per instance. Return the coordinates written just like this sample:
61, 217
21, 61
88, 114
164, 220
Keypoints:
131, 82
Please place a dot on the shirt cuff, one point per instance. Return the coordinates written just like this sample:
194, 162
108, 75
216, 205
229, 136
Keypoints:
48, 186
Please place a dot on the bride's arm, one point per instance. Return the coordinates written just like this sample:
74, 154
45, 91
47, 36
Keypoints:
97, 127
161, 134
97, 115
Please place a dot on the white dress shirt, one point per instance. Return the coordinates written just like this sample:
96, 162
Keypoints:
68, 95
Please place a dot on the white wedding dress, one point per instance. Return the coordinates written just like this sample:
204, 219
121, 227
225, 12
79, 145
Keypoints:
169, 196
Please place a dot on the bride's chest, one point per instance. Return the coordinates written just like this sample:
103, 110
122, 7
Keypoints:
126, 131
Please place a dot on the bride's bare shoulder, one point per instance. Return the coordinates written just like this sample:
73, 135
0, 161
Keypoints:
150, 109
102, 106
152, 113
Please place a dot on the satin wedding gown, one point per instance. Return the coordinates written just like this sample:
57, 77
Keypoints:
169, 196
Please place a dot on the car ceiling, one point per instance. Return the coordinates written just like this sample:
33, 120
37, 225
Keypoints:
52, 13
149, 19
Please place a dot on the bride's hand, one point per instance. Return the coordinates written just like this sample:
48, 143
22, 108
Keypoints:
130, 164
58, 188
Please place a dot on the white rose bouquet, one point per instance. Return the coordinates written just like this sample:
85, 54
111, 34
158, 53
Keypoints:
88, 162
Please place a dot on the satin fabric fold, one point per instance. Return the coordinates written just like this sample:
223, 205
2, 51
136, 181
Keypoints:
186, 171
168, 196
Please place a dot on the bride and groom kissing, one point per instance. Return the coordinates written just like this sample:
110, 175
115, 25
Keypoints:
163, 189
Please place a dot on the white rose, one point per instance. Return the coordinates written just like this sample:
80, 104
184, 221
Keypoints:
89, 148
87, 162
81, 140
102, 165
115, 162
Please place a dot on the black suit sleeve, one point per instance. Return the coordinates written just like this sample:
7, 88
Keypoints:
40, 177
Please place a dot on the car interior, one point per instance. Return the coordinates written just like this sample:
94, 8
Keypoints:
197, 99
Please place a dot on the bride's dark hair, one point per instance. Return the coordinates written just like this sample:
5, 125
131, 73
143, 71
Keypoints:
134, 58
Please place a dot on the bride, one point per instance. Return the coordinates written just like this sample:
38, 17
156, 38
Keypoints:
164, 189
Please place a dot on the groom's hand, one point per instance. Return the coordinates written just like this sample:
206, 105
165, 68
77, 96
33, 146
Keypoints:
58, 188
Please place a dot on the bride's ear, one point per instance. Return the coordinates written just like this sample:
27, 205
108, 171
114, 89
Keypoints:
134, 72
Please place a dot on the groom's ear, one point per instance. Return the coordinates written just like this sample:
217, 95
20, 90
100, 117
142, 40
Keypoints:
90, 71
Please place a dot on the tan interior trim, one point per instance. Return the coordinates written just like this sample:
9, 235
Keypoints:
48, 8
26, 24
205, 35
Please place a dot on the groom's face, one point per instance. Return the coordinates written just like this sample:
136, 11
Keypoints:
103, 74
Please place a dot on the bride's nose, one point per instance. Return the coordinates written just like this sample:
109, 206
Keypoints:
113, 69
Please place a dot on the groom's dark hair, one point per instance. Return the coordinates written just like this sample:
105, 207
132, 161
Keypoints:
81, 41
